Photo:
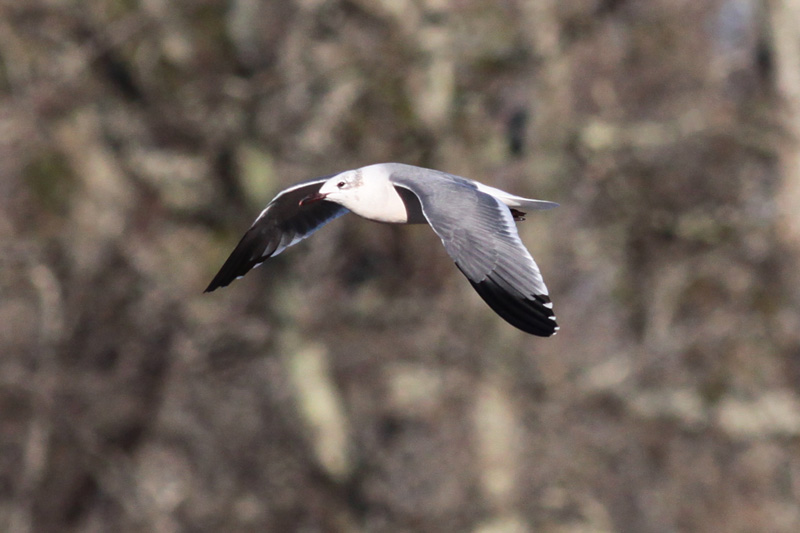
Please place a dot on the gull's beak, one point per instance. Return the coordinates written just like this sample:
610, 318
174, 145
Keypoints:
311, 198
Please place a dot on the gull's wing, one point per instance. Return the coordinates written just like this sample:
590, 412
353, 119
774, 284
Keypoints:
479, 233
283, 223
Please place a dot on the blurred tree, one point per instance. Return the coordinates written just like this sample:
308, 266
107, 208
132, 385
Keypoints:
355, 383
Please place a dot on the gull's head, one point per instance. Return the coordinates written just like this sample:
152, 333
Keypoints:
366, 191
343, 188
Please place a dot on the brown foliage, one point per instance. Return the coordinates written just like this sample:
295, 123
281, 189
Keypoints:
356, 383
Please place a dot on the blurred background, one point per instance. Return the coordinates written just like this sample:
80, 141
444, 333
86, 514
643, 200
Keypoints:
357, 382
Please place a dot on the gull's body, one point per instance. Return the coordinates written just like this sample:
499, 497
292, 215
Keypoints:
474, 221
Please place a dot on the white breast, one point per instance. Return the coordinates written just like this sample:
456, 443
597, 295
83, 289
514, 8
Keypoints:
377, 199
382, 204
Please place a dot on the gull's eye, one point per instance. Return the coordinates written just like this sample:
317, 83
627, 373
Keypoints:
340, 184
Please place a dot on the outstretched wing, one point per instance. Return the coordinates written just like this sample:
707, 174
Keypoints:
479, 233
283, 223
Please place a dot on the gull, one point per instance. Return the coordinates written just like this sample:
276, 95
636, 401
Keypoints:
475, 222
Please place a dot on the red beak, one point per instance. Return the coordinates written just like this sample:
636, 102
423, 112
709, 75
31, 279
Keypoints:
311, 198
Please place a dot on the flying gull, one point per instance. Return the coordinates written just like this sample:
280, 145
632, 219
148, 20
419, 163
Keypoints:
474, 221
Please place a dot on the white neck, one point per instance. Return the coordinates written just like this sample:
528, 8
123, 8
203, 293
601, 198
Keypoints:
377, 199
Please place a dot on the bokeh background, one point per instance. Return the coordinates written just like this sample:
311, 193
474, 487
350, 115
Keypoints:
356, 382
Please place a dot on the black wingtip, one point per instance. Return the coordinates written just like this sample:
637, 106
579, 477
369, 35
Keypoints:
220, 280
531, 315
212, 287
250, 252
233, 268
